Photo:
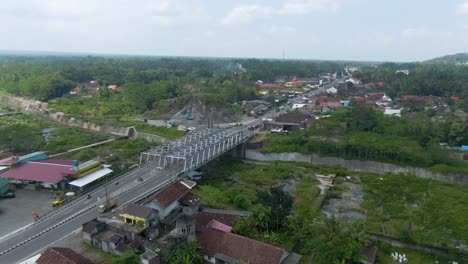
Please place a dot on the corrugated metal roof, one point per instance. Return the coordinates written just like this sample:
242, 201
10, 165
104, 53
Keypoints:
49, 171
90, 177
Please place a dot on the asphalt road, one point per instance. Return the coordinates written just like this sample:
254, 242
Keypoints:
70, 217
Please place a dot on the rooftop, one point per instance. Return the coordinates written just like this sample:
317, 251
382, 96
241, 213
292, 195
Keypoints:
238, 247
59, 255
14, 159
49, 171
190, 199
172, 193
137, 210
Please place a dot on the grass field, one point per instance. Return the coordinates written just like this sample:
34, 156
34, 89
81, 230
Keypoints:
231, 184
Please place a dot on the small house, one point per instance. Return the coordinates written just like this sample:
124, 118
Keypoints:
167, 200
61, 255
139, 215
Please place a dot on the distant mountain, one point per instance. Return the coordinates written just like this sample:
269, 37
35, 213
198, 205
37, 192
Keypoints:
459, 58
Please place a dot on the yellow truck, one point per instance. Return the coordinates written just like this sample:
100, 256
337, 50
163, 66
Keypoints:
108, 206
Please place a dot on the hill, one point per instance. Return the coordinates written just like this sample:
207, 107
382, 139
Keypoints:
458, 58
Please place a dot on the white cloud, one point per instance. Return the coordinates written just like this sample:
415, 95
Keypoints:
302, 7
462, 8
246, 13
415, 33
274, 29
209, 34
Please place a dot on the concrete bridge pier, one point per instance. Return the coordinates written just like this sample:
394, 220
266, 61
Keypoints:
238, 151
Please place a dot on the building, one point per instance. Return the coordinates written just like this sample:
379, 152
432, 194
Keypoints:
353, 80
136, 214
392, 112
4, 186
331, 90
15, 161
112, 236
54, 173
47, 173
405, 72
60, 255
169, 199
222, 246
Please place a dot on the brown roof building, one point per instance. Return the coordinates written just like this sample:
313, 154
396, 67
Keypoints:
219, 244
229, 247
173, 193
59, 255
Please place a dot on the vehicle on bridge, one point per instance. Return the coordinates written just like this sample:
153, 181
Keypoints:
58, 202
108, 206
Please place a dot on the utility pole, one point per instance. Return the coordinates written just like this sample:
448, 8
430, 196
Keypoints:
105, 190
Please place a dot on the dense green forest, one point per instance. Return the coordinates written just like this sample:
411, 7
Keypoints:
436, 79
47, 77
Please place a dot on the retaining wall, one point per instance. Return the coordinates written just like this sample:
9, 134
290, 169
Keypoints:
150, 137
38, 107
357, 165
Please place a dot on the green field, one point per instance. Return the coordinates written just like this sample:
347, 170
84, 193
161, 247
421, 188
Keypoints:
413, 209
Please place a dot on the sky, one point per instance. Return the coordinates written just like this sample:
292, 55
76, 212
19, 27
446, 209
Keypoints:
367, 30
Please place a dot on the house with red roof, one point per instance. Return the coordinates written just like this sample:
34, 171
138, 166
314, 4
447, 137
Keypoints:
376, 95
220, 245
61, 255
171, 198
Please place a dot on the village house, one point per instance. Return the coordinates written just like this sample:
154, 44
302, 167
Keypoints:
170, 199
222, 246
353, 80
61, 255
112, 236
136, 214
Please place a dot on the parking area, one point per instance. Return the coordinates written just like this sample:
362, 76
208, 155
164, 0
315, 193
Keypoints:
16, 213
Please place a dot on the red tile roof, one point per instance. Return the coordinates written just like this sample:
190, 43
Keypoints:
203, 218
59, 255
238, 247
219, 226
172, 193
49, 171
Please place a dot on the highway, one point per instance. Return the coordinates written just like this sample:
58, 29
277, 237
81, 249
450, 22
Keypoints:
70, 216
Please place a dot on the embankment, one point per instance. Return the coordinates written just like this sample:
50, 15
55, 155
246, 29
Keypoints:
357, 165
40, 108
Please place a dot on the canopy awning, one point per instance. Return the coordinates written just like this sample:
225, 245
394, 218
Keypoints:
90, 177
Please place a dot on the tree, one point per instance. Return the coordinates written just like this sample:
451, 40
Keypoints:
336, 242
278, 205
186, 253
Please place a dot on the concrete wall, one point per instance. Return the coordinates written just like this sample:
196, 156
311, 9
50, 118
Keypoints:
23, 104
357, 165
150, 137
38, 107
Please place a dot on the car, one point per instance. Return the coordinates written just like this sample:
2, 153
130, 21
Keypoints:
190, 129
8, 195
58, 202
276, 130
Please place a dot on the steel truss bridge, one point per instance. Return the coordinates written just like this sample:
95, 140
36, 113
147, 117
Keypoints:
198, 147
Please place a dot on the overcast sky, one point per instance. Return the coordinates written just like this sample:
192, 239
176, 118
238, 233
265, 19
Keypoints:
391, 30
